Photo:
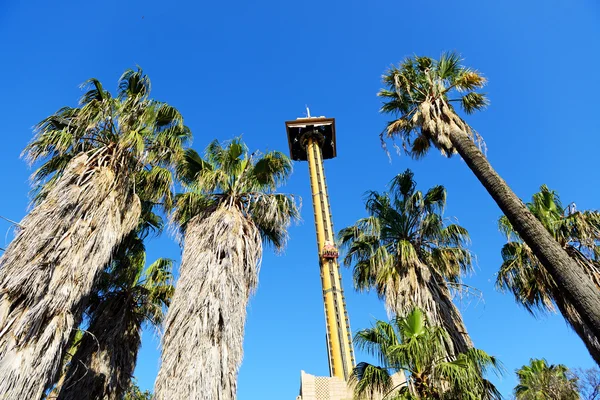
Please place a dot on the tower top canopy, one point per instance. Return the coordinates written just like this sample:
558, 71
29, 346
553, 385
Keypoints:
299, 130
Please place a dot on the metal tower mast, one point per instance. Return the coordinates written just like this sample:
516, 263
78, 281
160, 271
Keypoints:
313, 139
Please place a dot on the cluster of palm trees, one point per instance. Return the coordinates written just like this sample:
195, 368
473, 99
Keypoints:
405, 251
75, 291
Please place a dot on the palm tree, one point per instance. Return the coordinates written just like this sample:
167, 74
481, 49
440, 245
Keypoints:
135, 393
418, 92
410, 255
100, 160
229, 209
127, 260
412, 346
127, 297
540, 381
533, 287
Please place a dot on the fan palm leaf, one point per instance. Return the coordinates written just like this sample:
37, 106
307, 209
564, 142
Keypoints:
103, 365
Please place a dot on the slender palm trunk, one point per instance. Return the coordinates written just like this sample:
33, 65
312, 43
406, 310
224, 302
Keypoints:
102, 366
204, 327
50, 267
576, 322
569, 276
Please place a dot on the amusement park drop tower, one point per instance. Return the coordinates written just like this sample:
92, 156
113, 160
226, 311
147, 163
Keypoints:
313, 139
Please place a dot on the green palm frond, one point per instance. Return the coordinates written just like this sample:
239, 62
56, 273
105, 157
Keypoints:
190, 204
368, 380
133, 84
411, 346
473, 101
272, 169
228, 176
191, 166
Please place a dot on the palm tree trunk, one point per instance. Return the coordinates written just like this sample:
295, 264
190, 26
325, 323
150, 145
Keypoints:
50, 267
449, 315
570, 313
569, 276
575, 321
204, 327
103, 364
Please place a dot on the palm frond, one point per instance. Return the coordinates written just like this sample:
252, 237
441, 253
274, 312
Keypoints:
369, 380
412, 347
271, 170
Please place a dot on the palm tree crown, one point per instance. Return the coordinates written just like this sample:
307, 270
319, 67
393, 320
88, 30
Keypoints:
413, 346
419, 91
578, 232
132, 133
409, 254
229, 177
540, 381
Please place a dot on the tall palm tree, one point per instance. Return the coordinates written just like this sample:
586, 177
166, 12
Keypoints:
411, 345
99, 160
230, 208
127, 260
420, 93
128, 297
533, 287
540, 381
410, 255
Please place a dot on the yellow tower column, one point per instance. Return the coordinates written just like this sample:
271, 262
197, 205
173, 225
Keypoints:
312, 139
339, 339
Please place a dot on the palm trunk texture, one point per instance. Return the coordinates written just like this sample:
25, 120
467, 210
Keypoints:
50, 267
570, 313
102, 366
572, 280
204, 327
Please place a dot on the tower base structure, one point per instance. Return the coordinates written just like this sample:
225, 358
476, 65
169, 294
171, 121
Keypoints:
323, 388
333, 388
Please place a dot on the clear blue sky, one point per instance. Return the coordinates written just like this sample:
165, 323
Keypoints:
242, 67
